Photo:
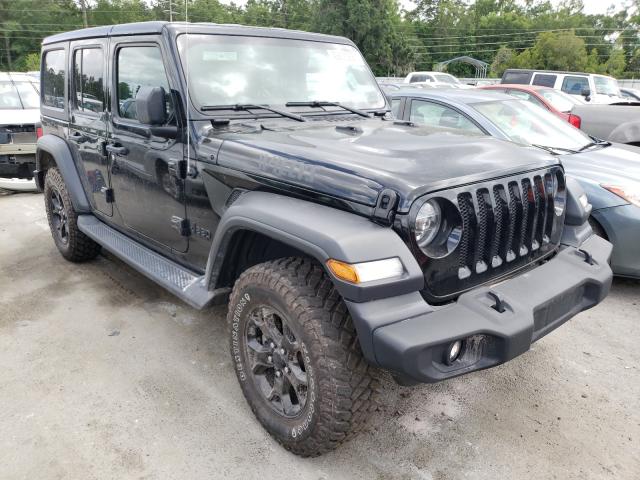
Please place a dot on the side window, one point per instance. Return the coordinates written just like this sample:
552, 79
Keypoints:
53, 79
418, 78
574, 85
526, 96
434, 115
140, 66
88, 80
544, 80
395, 107
521, 78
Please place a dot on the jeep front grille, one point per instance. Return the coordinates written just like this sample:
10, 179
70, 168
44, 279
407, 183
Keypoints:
506, 225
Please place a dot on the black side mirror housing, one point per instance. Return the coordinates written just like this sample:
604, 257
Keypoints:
150, 106
586, 93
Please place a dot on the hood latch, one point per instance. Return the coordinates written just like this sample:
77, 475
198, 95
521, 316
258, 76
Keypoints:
385, 209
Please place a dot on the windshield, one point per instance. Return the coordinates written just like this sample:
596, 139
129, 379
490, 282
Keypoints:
229, 70
447, 78
606, 85
528, 124
18, 95
560, 101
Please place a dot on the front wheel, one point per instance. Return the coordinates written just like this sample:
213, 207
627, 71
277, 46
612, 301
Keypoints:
297, 357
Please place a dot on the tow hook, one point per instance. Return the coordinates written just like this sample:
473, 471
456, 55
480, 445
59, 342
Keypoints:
587, 256
498, 306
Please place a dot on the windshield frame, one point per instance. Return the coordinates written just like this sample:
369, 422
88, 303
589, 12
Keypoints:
201, 114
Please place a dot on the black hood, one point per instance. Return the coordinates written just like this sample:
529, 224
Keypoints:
355, 160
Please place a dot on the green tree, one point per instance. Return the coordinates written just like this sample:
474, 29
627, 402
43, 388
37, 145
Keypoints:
374, 25
616, 63
559, 51
505, 58
30, 62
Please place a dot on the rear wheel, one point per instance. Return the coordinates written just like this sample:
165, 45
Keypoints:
63, 221
297, 357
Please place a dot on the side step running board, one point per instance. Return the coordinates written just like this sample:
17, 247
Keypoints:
180, 281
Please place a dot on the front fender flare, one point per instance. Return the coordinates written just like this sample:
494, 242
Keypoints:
59, 150
321, 232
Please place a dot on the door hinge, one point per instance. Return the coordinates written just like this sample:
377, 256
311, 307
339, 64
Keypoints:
185, 227
385, 212
108, 195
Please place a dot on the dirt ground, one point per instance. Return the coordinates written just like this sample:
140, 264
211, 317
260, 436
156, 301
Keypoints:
104, 375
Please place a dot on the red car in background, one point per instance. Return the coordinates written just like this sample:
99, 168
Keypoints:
556, 102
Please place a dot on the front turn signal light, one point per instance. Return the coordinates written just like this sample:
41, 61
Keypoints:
366, 271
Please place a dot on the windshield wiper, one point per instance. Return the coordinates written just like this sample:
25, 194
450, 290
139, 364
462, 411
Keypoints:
247, 107
594, 143
554, 150
320, 103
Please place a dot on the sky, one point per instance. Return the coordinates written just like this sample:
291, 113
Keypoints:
590, 6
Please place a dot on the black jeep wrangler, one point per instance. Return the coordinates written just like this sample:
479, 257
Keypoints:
262, 167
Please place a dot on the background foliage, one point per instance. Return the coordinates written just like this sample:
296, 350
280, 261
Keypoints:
504, 33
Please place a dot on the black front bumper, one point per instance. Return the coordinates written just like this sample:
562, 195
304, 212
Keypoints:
410, 337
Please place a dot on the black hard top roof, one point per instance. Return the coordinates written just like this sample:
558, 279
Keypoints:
176, 28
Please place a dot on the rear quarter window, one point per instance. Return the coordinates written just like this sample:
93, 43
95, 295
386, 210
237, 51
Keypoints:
521, 78
53, 79
544, 80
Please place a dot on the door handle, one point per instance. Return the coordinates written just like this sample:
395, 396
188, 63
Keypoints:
117, 149
77, 137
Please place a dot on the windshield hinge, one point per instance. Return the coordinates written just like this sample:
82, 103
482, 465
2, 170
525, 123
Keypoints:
384, 212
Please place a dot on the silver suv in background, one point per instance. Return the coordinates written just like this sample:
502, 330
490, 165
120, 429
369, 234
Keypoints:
593, 88
19, 116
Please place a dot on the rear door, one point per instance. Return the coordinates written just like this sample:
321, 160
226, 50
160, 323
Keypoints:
145, 169
87, 127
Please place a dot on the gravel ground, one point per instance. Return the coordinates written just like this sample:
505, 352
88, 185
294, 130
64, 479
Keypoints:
104, 375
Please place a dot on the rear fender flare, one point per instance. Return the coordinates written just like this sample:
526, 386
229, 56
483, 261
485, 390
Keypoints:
59, 150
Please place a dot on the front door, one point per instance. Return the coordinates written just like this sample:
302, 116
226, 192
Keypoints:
87, 129
149, 193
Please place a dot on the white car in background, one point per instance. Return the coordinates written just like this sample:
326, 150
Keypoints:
435, 79
19, 117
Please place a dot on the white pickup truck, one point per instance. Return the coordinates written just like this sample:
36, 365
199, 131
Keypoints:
19, 116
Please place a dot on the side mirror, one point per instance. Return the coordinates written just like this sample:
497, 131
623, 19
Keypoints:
586, 93
150, 106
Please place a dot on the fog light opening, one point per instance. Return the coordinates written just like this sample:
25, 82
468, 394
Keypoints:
453, 352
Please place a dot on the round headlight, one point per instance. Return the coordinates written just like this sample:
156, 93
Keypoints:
427, 223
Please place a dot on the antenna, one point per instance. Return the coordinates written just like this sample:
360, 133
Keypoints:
186, 74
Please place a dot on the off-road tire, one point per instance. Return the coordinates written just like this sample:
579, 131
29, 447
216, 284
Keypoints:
343, 388
77, 247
